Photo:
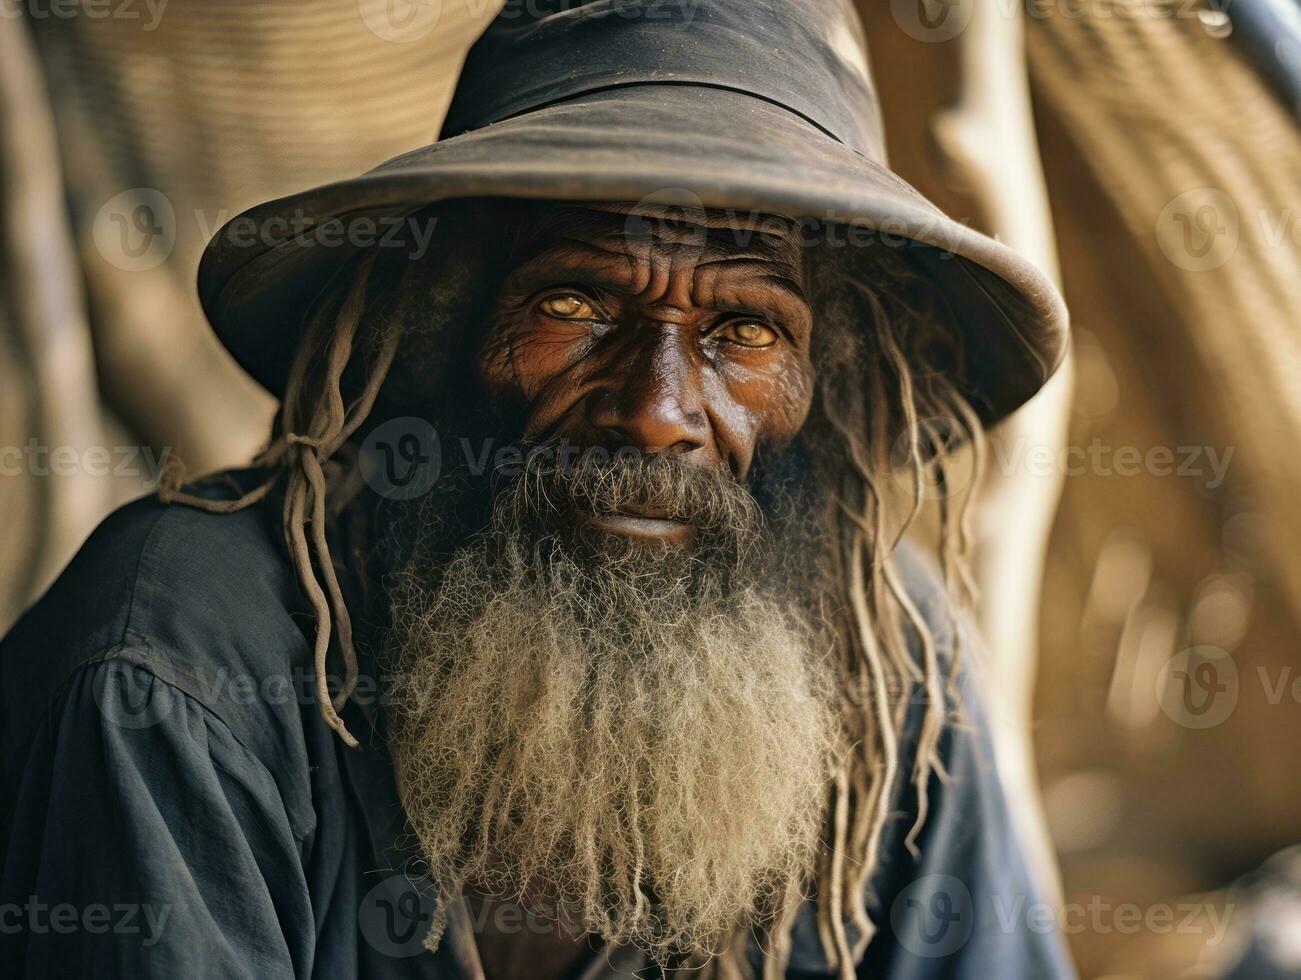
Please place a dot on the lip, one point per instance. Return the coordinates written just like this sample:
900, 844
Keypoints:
648, 527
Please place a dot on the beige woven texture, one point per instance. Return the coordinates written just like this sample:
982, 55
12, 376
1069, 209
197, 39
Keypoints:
1205, 169
1175, 173
211, 109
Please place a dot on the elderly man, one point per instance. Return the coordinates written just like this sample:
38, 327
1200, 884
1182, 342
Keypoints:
561, 630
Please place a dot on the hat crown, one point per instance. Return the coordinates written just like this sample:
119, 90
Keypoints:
807, 56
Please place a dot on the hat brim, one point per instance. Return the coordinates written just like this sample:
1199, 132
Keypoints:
713, 147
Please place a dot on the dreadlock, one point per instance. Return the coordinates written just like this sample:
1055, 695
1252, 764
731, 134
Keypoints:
312, 426
888, 404
888, 411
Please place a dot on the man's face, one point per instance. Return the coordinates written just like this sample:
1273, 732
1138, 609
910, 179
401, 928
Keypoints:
594, 648
650, 331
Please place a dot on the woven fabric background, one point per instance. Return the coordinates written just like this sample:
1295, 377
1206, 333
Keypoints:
1203, 164
1174, 172
199, 113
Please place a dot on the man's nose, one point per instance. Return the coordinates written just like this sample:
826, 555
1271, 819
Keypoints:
653, 400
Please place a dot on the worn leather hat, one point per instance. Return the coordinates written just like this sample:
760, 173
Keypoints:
755, 105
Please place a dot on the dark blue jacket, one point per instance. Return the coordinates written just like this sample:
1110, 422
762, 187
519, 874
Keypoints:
172, 805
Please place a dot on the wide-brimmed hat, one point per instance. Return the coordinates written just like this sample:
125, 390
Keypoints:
754, 105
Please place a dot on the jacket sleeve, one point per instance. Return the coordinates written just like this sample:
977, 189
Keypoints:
146, 841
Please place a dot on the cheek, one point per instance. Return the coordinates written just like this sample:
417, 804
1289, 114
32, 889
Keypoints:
523, 359
537, 371
762, 404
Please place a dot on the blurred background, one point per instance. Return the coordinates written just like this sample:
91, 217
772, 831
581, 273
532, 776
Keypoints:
1143, 603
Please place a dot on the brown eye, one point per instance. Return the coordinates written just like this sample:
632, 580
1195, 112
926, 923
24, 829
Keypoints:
748, 333
568, 306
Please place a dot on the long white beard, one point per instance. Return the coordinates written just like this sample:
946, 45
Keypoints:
650, 751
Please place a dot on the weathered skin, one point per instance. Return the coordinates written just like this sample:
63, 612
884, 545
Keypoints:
624, 328
631, 329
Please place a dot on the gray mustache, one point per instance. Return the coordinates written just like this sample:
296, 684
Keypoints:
559, 478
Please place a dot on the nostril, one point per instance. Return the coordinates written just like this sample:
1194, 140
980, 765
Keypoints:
652, 415
614, 437
678, 448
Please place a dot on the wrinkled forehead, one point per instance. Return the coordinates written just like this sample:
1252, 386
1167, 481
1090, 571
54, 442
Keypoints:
646, 229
